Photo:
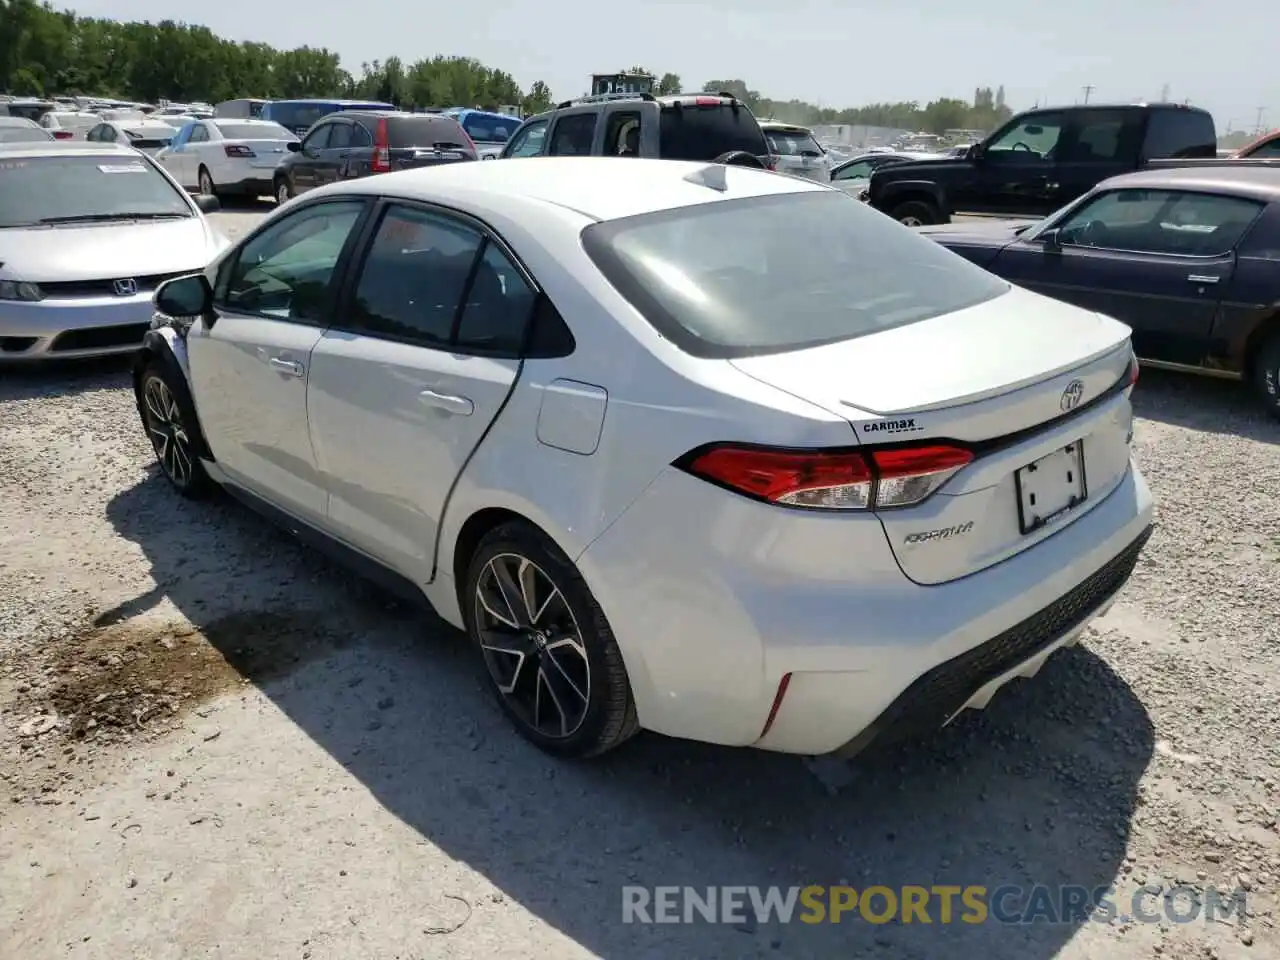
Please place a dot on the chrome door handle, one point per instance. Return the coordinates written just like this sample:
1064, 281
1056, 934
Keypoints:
1201, 278
291, 367
447, 402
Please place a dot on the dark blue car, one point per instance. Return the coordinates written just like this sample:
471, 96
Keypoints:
1189, 257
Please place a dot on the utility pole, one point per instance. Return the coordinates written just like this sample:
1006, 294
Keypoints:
1164, 94
1088, 89
1257, 127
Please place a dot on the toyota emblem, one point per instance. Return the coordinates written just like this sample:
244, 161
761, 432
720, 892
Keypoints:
125, 288
1072, 396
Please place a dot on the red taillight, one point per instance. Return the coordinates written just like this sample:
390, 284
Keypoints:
470, 143
64, 135
1134, 370
381, 148
238, 150
894, 477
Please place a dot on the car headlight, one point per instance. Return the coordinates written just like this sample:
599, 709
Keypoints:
17, 290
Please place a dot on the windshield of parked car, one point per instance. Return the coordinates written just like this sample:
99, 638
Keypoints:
782, 272
65, 189
487, 128
792, 143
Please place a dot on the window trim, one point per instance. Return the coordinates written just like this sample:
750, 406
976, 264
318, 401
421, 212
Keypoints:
337, 279
345, 299
1090, 199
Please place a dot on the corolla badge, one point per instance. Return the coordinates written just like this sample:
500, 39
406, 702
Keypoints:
1072, 396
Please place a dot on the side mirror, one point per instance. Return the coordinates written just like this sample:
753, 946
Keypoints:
977, 152
293, 146
1052, 239
184, 297
208, 203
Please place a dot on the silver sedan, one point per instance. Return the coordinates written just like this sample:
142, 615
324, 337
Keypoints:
87, 232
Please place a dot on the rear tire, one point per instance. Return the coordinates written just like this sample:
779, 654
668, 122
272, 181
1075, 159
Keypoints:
1266, 375
205, 179
916, 213
558, 674
283, 190
171, 436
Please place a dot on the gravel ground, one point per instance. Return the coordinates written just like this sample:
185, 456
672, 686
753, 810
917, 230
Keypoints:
214, 744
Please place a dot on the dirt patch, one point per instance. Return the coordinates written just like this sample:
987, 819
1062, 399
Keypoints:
140, 677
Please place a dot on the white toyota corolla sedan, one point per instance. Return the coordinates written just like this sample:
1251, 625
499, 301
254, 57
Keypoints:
684, 447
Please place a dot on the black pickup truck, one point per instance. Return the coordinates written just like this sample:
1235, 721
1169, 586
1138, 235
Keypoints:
1041, 160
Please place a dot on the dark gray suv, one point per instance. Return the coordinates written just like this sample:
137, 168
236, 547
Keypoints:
693, 126
359, 143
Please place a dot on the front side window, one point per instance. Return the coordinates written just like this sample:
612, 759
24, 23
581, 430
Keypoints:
1268, 151
858, 170
285, 272
414, 277
318, 138
529, 142
1170, 222
572, 135
65, 189
783, 272
1033, 137
339, 136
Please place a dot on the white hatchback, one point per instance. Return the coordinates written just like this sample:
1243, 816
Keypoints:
693, 448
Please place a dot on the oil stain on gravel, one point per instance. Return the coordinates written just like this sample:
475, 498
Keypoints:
137, 676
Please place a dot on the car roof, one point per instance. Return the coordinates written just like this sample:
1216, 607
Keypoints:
1257, 142
1257, 183
52, 148
599, 188
17, 122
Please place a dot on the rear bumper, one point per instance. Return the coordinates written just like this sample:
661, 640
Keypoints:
66, 329
714, 600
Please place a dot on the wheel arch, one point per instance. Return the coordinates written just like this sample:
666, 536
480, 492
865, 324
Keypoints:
164, 347
1258, 337
906, 191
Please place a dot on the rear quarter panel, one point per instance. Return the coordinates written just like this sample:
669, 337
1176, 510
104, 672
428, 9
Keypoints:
1249, 312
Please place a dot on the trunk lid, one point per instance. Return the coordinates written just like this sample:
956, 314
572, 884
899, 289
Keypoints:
1018, 380
266, 153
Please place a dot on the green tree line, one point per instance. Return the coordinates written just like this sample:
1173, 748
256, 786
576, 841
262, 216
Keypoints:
46, 51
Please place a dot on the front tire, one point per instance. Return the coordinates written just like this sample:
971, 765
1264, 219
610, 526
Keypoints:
545, 646
1266, 375
916, 213
207, 186
170, 434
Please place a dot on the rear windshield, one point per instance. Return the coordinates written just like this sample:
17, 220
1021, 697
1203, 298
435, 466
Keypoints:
705, 132
254, 131
782, 272
15, 133
488, 129
792, 143
35, 189
427, 130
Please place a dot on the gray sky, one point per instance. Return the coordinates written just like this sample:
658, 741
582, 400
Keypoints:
1222, 57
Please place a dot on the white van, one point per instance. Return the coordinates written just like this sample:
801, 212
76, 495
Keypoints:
246, 109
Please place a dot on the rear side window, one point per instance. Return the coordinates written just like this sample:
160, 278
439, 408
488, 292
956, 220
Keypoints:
426, 131
1267, 151
1179, 134
705, 132
721, 279
573, 135
792, 143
